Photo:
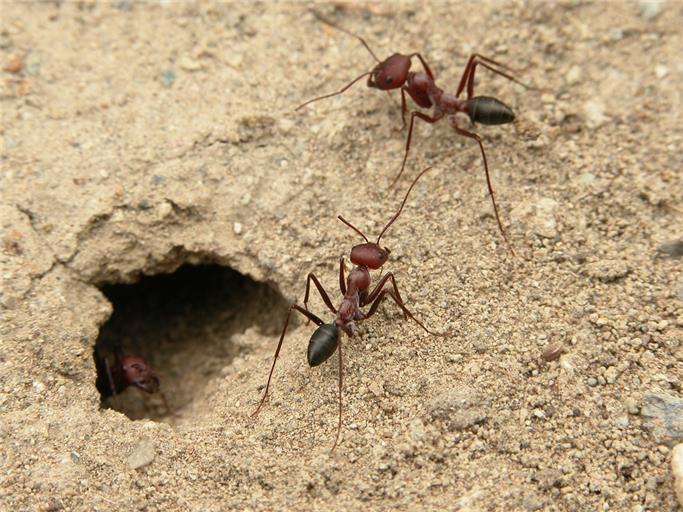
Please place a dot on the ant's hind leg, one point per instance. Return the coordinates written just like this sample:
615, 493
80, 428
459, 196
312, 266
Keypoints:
307, 314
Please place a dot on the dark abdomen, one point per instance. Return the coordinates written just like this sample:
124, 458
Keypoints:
488, 110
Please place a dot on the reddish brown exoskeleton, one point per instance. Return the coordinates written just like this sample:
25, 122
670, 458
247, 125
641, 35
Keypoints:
357, 294
394, 73
130, 370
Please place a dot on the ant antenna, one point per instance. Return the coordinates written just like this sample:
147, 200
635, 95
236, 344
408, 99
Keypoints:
353, 227
340, 91
334, 25
400, 209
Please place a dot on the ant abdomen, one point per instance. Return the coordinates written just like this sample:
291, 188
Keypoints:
488, 110
323, 344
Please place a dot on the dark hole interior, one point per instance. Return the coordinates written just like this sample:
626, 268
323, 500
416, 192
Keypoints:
181, 325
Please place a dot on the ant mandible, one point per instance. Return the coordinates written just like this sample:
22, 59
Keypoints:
326, 339
394, 73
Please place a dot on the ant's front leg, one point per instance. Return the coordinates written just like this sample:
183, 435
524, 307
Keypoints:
307, 314
342, 279
424, 64
321, 291
378, 288
399, 302
404, 107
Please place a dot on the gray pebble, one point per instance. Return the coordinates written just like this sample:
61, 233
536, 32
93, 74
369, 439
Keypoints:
672, 249
167, 77
665, 413
460, 409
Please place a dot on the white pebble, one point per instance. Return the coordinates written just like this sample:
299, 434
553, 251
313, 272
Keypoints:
650, 9
574, 75
237, 228
661, 71
677, 470
142, 454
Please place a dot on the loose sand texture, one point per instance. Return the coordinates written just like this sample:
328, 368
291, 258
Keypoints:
161, 197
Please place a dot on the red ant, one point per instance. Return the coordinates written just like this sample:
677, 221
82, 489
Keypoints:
326, 339
127, 371
394, 73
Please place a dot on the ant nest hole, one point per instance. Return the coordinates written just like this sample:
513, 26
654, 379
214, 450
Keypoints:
182, 328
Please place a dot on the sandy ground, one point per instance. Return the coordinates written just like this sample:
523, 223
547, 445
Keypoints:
138, 138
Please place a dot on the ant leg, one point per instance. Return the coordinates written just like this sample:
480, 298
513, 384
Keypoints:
307, 314
404, 107
424, 64
426, 119
163, 399
470, 68
110, 377
399, 302
341, 378
321, 291
342, 279
334, 93
476, 137
378, 288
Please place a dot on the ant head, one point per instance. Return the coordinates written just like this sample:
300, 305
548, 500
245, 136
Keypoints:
369, 255
391, 73
137, 373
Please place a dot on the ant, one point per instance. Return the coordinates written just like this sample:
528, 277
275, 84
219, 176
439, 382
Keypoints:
355, 288
131, 370
394, 73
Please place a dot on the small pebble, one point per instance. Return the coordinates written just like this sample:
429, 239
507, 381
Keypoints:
631, 405
661, 71
595, 113
143, 453
592, 382
15, 64
553, 351
376, 389
665, 417
237, 228
650, 9
615, 34
622, 421
673, 248
574, 75
168, 77
190, 64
